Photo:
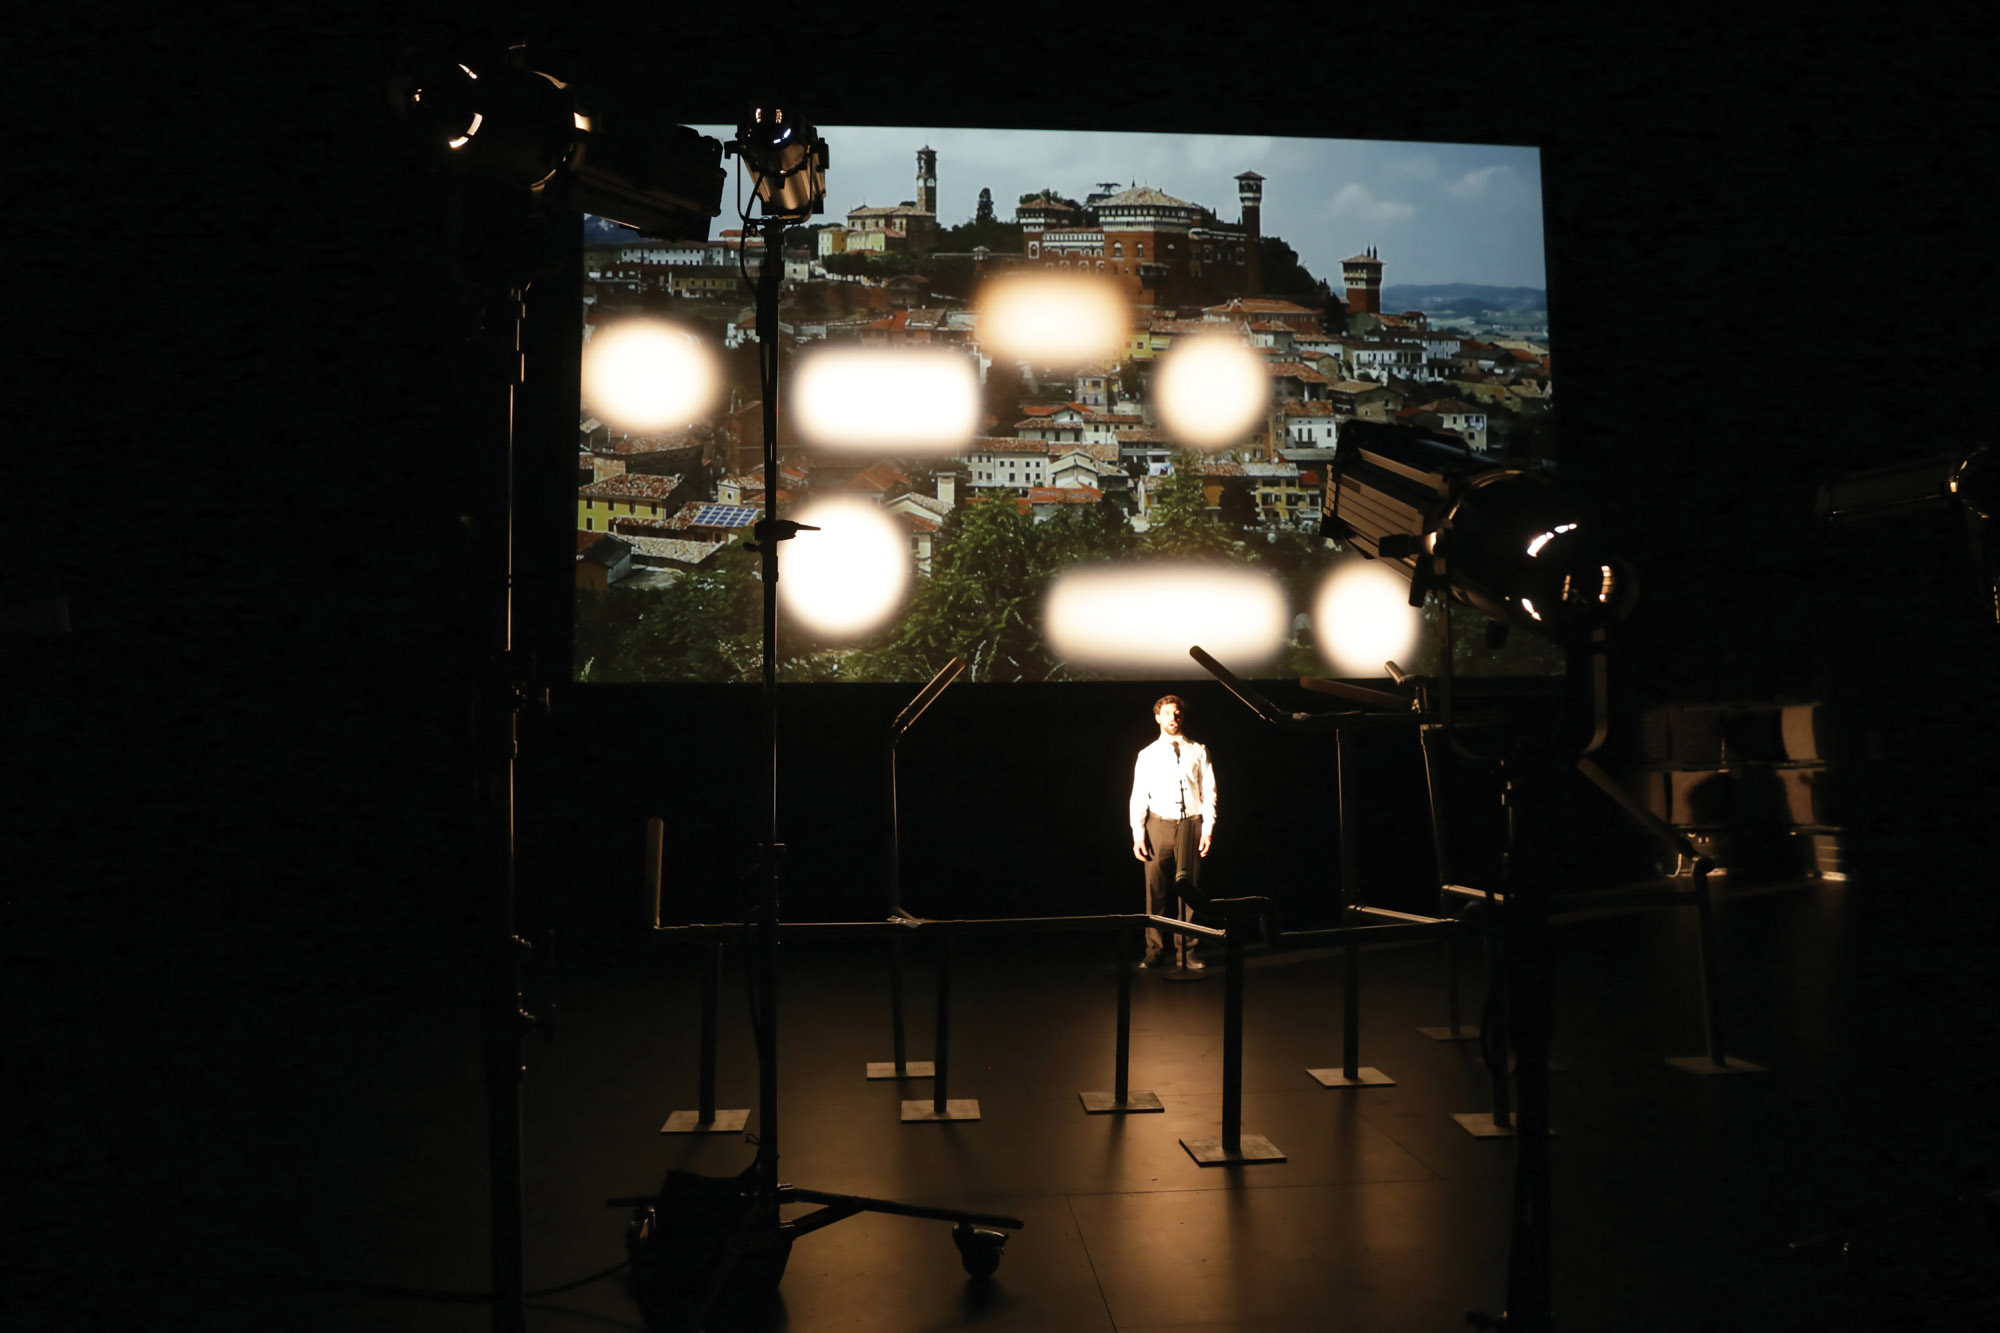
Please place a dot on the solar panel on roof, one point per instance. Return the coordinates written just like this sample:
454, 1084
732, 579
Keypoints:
725, 516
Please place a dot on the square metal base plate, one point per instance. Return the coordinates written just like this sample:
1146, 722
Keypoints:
1249, 1148
911, 1069
689, 1122
1701, 1064
1364, 1077
1103, 1103
954, 1109
1466, 1032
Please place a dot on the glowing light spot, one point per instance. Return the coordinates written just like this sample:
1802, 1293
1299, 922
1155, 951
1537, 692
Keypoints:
913, 400
850, 576
649, 375
1535, 546
1210, 392
1053, 320
470, 130
1362, 617
1145, 617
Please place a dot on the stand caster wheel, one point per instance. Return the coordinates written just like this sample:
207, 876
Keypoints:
978, 1248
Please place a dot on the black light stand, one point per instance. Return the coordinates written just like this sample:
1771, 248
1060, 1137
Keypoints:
743, 1272
902, 1067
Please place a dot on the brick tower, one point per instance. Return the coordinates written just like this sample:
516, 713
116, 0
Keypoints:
1363, 275
1250, 193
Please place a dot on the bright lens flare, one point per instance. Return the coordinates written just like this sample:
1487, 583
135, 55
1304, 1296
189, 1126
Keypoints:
1145, 617
849, 577
1210, 392
891, 400
649, 375
1362, 617
1054, 321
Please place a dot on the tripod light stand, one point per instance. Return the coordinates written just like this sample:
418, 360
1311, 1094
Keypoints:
788, 160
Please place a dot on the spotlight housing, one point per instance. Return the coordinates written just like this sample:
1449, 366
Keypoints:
486, 112
786, 159
1506, 541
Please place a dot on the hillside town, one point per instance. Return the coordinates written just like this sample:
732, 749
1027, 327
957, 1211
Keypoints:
652, 508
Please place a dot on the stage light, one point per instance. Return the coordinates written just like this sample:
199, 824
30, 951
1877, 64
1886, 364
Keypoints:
893, 400
1143, 618
1362, 618
850, 576
786, 159
488, 114
1210, 392
1504, 540
1053, 320
645, 375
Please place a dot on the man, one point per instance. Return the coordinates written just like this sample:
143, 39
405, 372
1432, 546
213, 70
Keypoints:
1173, 817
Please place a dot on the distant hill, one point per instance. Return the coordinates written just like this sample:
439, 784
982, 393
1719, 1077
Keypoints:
1461, 298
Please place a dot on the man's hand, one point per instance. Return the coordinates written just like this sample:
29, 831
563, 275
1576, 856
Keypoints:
1139, 850
1204, 844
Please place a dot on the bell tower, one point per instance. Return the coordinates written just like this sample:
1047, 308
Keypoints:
1250, 193
927, 179
1363, 274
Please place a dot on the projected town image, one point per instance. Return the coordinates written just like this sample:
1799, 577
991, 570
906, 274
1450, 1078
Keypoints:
1081, 521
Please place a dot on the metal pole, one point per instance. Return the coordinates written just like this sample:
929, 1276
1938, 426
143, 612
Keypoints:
711, 997
1711, 1000
1232, 1044
506, 1020
1350, 1022
896, 1003
769, 852
943, 1059
1530, 1289
1121, 1082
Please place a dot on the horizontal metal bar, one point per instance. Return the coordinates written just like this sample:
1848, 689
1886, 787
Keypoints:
1411, 918
1387, 934
1477, 895
856, 1203
964, 925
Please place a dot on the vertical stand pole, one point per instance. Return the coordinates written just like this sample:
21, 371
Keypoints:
705, 1119
1507, 970
711, 996
1711, 1002
941, 1106
1350, 1022
1121, 1081
769, 850
1233, 1146
1232, 1046
1122, 1098
506, 1022
938, 1087
898, 1045
1530, 1291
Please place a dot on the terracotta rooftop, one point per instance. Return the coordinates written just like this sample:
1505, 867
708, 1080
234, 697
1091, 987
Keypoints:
1070, 495
630, 486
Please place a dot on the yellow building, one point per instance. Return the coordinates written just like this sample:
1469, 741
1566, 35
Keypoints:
629, 493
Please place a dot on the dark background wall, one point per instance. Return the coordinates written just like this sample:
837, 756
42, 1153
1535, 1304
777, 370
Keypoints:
241, 387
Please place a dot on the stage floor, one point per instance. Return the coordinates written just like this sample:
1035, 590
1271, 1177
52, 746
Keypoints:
347, 1147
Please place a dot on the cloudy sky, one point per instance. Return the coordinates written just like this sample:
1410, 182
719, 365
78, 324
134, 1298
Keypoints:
1434, 212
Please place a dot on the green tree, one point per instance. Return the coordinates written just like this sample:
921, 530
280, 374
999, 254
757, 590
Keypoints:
1283, 274
982, 602
982, 213
705, 625
1179, 523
